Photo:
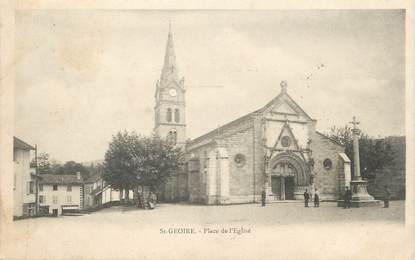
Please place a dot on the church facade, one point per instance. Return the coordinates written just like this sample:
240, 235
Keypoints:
275, 149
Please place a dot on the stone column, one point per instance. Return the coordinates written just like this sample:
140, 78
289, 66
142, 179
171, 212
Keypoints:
223, 175
282, 187
211, 189
267, 179
360, 196
356, 156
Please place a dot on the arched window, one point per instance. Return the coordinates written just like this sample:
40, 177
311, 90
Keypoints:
169, 115
177, 115
172, 137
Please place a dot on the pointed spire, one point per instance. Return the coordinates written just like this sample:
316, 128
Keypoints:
169, 71
283, 85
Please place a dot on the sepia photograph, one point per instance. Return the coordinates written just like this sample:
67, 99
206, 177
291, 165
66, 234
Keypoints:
152, 134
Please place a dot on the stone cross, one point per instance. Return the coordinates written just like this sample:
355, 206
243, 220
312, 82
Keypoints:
354, 123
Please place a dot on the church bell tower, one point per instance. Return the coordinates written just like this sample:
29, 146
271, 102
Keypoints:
170, 120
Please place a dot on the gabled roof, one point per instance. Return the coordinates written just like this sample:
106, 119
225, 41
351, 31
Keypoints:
21, 145
63, 179
279, 97
282, 94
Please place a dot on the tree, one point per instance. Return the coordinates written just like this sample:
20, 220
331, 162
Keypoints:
44, 164
132, 160
375, 154
72, 167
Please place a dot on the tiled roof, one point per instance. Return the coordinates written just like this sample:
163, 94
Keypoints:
60, 179
19, 144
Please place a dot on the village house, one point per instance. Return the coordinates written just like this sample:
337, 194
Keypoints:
24, 182
99, 193
60, 193
91, 187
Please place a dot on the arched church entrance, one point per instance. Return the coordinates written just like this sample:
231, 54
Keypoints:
289, 177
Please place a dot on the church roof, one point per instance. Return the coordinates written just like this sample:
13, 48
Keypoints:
283, 93
220, 129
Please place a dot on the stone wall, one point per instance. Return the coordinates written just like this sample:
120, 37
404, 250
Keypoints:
326, 180
197, 171
241, 183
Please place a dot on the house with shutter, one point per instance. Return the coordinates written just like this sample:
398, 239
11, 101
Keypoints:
60, 193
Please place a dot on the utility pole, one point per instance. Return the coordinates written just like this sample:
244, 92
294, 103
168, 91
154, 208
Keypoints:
36, 183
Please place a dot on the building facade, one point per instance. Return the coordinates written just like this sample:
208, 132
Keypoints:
24, 182
275, 149
60, 193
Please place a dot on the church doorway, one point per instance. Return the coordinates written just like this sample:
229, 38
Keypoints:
288, 177
283, 187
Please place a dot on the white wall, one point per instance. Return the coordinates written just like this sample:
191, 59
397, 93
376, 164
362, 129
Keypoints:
21, 179
109, 195
62, 195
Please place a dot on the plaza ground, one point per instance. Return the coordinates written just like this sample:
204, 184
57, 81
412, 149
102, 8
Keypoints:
272, 214
283, 229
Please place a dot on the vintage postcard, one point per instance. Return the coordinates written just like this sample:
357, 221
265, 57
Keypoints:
207, 132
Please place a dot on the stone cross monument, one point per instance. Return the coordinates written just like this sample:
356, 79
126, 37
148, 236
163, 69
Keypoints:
360, 196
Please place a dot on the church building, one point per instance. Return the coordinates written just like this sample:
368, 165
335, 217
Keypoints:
275, 149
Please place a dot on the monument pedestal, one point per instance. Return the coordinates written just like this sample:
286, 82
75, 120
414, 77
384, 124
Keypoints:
360, 196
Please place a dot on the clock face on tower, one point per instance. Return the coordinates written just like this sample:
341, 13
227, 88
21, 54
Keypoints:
172, 92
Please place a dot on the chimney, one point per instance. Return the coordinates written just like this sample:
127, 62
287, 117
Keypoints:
78, 175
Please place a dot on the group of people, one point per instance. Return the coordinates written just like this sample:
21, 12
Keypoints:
347, 198
308, 196
147, 203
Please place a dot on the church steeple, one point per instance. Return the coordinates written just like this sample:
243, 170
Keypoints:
170, 120
169, 72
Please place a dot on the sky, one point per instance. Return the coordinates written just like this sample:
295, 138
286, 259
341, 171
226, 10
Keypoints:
84, 75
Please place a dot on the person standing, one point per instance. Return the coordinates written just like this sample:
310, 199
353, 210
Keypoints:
316, 198
263, 198
386, 197
152, 200
306, 198
347, 197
